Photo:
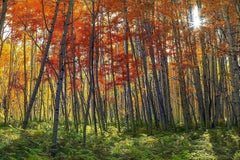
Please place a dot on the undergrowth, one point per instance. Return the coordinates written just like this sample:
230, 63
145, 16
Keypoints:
35, 144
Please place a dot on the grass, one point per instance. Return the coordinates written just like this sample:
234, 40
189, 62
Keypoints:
35, 144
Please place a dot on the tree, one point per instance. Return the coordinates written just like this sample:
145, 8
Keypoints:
91, 72
3, 14
234, 67
60, 76
41, 72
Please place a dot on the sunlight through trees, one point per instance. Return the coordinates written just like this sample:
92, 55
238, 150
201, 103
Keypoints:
131, 64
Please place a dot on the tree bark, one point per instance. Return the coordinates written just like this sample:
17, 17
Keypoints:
25, 75
60, 77
41, 72
181, 77
234, 67
3, 14
91, 73
206, 80
127, 31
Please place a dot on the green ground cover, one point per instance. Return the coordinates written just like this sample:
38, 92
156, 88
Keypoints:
35, 144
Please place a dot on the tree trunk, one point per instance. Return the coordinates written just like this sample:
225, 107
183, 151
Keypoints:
148, 93
60, 78
91, 74
25, 75
197, 84
127, 31
3, 14
41, 72
181, 77
7, 96
114, 80
74, 87
163, 115
234, 67
206, 79
65, 104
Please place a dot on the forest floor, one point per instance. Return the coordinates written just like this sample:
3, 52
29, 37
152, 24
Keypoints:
35, 144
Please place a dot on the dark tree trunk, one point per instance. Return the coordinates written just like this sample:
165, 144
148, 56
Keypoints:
25, 75
3, 14
41, 72
114, 80
206, 80
127, 31
234, 66
91, 72
60, 78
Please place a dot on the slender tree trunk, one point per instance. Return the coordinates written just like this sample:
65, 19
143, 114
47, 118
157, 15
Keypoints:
126, 109
127, 31
41, 106
148, 94
5, 108
166, 90
60, 78
206, 79
25, 75
41, 72
7, 96
65, 104
3, 14
163, 115
220, 100
98, 96
234, 67
74, 87
51, 89
213, 82
114, 80
32, 71
91, 75
197, 85
181, 76
137, 106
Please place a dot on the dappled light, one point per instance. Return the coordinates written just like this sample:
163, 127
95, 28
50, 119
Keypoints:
119, 79
34, 144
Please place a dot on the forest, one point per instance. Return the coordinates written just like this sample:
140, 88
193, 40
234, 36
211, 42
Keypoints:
119, 79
